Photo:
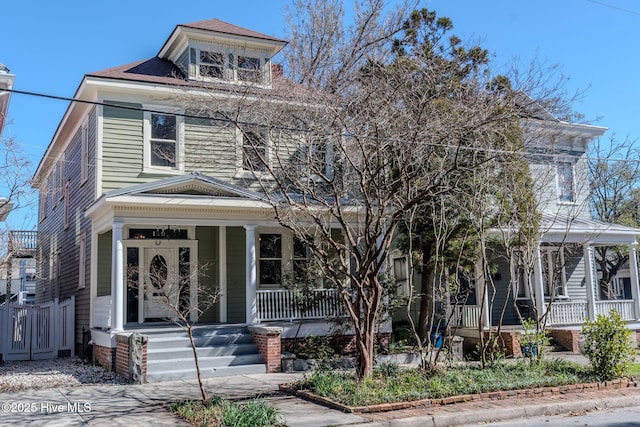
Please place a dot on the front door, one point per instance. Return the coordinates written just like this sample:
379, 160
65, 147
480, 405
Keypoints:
161, 278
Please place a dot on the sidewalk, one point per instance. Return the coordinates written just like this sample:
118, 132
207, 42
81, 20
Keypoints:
142, 405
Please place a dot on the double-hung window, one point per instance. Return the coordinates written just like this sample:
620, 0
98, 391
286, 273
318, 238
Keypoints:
566, 187
84, 142
211, 64
254, 150
163, 141
270, 260
249, 69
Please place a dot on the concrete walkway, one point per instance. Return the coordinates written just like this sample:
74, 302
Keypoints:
142, 405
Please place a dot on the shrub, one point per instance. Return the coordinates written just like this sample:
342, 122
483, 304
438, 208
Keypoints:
316, 347
608, 345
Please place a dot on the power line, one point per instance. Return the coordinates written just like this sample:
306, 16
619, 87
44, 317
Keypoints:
224, 119
614, 7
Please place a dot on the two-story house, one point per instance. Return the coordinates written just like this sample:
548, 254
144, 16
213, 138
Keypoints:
140, 197
557, 278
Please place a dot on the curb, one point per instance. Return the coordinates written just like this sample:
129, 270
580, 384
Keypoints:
523, 411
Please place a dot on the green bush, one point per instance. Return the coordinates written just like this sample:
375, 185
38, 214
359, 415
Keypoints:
608, 345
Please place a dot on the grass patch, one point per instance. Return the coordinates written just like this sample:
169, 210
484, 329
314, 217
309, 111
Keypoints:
218, 411
389, 385
633, 370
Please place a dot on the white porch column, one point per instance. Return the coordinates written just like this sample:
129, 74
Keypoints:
482, 297
589, 277
117, 278
251, 279
539, 283
633, 268
222, 271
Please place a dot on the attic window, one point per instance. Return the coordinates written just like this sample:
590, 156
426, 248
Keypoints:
219, 63
249, 69
211, 64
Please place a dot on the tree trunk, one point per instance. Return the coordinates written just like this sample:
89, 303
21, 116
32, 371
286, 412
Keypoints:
203, 391
426, 290
366, 334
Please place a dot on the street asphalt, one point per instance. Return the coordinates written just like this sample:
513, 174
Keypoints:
144, 405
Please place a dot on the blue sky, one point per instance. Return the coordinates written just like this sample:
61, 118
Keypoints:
50, 45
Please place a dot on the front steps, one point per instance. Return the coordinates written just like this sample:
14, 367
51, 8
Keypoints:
222, 351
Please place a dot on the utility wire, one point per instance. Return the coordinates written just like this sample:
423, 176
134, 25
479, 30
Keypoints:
487, 150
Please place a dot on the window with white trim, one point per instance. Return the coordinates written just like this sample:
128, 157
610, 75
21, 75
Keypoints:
66, 205
221, 63
63, 161
282, 253
269, 260
163, 148
211, 64
254, 150
553, 271
82, 260
84, 163
318, 159
249, 69
566, 185
44, 196
401, 275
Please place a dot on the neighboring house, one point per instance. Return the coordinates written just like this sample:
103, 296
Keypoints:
6, 82
22, 277
133, 187
561, 278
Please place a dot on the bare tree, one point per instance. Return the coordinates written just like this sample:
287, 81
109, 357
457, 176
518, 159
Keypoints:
614, 173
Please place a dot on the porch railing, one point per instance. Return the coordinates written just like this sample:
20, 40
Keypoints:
22, 243
624, 307
281, 304
102, 312
466, 316
567, 313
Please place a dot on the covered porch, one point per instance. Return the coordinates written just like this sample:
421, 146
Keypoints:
562, 287
187, 236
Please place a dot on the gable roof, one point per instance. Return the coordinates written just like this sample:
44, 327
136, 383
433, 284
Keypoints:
190, 184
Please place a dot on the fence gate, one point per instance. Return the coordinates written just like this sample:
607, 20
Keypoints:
33, 332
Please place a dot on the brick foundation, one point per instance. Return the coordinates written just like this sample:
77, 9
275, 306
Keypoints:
104, 356
568, 339
124, 361
267, 339
122, 355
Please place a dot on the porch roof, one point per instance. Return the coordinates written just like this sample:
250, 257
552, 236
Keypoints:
189, 191
562, 228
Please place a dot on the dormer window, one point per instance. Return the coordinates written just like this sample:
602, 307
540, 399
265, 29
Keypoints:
249, 69
219, 63
211, 64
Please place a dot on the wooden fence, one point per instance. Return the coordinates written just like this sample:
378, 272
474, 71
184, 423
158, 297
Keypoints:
33, 332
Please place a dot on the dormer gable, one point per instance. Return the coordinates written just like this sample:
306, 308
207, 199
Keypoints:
216, 51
